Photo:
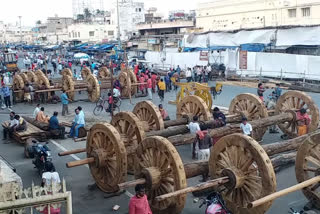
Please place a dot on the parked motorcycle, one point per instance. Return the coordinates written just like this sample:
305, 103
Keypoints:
42, 155
215, 204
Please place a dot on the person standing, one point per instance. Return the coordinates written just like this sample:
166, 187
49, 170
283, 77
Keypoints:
36, 111
246, 127
139, 203
278, 91
149, 87
194, 127
194, 72
188, 75
199, 74
167, 82
178, 70
6, 94
260, 91
303, 121
65, 101
162, 88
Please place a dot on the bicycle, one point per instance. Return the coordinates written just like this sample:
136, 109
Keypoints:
102, 104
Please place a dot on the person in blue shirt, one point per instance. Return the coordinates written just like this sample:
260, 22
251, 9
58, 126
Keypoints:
278, 91
78, 122
168, 82
65, 101
178, 70
6, 94
54, 126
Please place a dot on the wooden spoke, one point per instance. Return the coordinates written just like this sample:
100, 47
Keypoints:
104, 72
85, 72
247, 160
68, 86
66, 72
295, 100
110, 166
24, 77
308, 166
32, 77
149, 114
251, 107
205, 96
191, 106
158, 154
18, 84
93, 88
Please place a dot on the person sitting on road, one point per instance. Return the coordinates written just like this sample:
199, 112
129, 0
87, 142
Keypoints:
21, 124
78, 122
164, 113
303, 121
194, 127
41, 117
139, 203
219, 117
55, 127
246, 127
10, 128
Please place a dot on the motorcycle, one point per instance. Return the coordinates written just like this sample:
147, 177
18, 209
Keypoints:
215, 204
42, 155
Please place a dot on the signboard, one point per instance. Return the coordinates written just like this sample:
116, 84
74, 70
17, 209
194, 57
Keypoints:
243, 60
153, 41
204, 55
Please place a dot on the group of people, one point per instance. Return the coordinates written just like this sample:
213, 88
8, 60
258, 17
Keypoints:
16, 124
198, 73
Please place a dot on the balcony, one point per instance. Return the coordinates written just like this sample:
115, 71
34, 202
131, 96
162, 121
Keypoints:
162, 24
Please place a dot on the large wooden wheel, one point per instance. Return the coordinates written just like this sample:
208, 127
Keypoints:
206, 96
43, 80
93, 88
125, 84
18, 84
308, 166
149, 115
85, 72
104, 144
295, 100
66, 72
250, 171
133, 80
24, 77
131, 132
158, 161
104, 72
191, 106
68, 86
32, 77
250, 106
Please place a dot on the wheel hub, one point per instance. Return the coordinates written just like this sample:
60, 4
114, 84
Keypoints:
100, 157
152, 176
236, 178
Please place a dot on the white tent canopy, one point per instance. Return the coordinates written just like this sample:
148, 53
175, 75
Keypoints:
298, 36
81, 56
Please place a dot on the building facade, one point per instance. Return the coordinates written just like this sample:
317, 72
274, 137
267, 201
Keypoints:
228, 15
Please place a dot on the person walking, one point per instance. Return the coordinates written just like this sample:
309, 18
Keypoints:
149, 87
194, 127
162, 88
6, 95
189, 75
139, 203
65, 101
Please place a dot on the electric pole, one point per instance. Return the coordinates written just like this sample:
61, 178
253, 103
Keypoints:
20, 29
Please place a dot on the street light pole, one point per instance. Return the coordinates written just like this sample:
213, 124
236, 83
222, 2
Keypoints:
20, 28
118, 20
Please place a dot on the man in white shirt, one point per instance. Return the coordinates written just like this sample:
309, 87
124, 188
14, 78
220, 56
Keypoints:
36, 111
246, 127
10, 129
116, 92
194, 127
189, 74
78, 122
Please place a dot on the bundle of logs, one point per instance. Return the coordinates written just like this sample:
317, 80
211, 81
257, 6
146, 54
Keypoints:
134, 141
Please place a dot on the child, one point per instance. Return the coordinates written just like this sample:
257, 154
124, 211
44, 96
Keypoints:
110, 102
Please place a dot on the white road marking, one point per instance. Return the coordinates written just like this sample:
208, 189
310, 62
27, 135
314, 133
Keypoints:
77, 158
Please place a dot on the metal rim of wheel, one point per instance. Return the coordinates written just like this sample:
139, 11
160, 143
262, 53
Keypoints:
149, 114
158, 161
193, 106
250, 171
252, 107
104, 144
295, 100
308, 166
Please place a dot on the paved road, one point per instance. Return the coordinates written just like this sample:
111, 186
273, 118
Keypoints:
93, 201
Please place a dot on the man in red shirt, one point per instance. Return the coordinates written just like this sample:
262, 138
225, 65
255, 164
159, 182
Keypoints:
110, 102
149, 87
142, 83
139, 203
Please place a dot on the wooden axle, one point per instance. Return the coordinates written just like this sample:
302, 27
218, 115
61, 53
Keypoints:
71, 152
80, 162
283, 192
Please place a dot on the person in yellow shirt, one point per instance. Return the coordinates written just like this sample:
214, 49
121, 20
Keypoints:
162, 88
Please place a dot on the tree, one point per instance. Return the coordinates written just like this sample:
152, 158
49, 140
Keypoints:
87, 14
38, 22
80, 17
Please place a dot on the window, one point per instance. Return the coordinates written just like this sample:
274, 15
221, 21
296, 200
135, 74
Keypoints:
91, 33
292, 13
305, 11
110, 33
78, 34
